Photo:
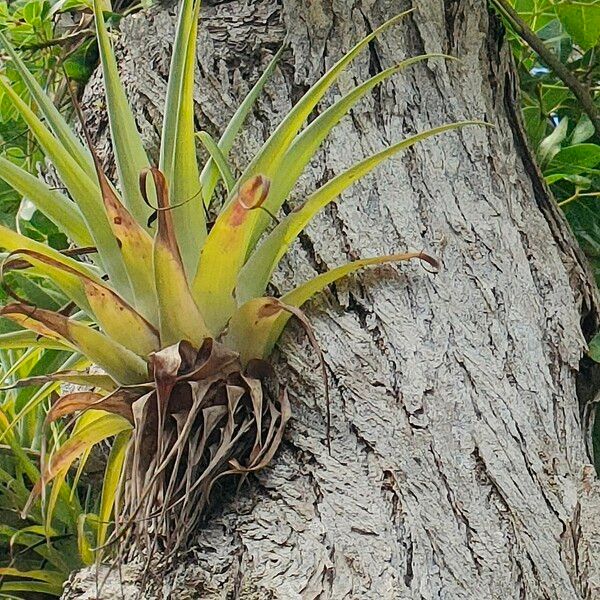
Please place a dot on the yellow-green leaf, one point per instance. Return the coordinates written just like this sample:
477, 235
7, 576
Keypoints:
130, 156
268, 159
257, 325
111, 484
257, 271
51, 114
312, 136
135, 244
57, 207
179, 316
210, 173
224, 253
115, 316
120, 363
178, 160
84, 191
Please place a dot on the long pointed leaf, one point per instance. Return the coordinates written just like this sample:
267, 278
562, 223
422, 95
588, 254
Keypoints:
179, 162
84, 191
98, 430
220, 261
270, 163
310, 139
111, 484
257, 325
256, 273
135, 244
26, 339
50, 263
121, 364
269, 157
210, 173
115, 316
268, 160
179, 315
57, 207
130, 157
219, 159
89, 380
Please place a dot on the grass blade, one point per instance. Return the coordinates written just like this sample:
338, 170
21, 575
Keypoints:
111, 484
26, 339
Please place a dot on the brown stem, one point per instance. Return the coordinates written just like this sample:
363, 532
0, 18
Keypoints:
62, 41
580, 91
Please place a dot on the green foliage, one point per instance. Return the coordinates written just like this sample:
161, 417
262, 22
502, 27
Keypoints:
36, 553
154, 293
560, 131
48, 48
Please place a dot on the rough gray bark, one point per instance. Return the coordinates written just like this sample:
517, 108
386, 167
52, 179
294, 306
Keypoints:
460, 466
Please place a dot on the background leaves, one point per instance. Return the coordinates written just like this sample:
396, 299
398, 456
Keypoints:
559, 130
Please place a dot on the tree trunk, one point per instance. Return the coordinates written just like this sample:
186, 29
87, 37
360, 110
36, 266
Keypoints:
460, 462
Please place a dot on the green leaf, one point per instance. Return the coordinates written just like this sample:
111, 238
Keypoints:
121, 364
111, 483
83, 543
54, 118
594, 348
130, 156
98, 427
219, 159
81, 63
550, 145
36, 574
256, 273
256, 326
35, 587
179, 315
308, 141
536, 13
583, 131
26, 339
581, 20
535, 124
573, 160
84, 191
178, 160
210, 174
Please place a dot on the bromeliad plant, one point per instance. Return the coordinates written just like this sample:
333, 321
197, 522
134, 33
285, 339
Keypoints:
171, 311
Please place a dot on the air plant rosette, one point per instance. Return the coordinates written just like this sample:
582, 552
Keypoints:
172, 311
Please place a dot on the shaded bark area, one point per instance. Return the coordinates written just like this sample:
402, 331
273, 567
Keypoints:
460, 464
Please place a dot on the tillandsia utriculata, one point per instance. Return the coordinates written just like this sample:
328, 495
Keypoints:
171, 310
